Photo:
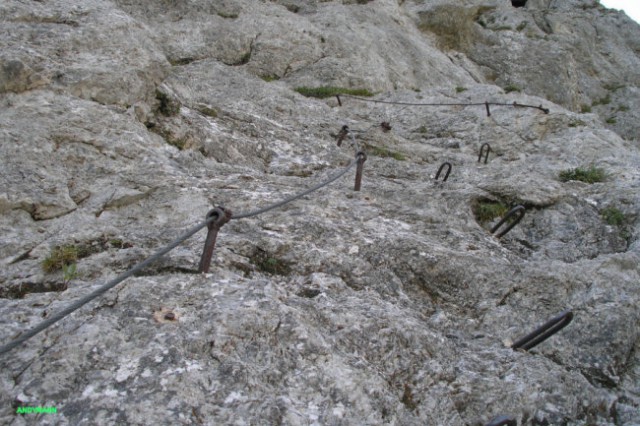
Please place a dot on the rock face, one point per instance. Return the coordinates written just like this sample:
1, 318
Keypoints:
122, 123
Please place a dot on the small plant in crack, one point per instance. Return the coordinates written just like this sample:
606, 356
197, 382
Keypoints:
487, 210
592, 174
59, 258
69, 272
328, 91
270, 263
63, 258
512, 88
384, 152
613, 216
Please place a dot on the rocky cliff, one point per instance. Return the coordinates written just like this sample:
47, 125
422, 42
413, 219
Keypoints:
123, 122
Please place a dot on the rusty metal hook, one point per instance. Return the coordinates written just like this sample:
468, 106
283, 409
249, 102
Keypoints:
446, 176
339, 101
502, 421
486, 155
362, 157
344, 131
221, 216
543, 332
517, 209
486, 104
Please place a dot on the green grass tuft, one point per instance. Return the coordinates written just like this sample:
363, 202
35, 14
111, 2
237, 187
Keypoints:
270, 263
328, 91
512, 88
585, 109
228, 15
60, 258
589, 175
486, 210
460, 89
270, 78
613, 216
207, 110
576, 123
603, 101
384, 153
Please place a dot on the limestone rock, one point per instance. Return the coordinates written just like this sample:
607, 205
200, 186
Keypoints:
122, 124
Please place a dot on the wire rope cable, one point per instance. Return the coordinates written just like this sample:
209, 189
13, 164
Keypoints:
104, 288
109, 285
517, 105
295, 197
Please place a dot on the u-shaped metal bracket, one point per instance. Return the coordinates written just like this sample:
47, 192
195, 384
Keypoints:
486, 154
502, 421
543, 332
446, 176
221, 216
361, 158
516, 210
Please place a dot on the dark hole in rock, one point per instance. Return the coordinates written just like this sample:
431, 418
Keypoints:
518, 3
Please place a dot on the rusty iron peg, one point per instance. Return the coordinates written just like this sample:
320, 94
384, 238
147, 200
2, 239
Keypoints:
517, 209
222, 216
446, 176
339, 101
482, 151
362, 157
486, 104
344, 131
543, 332
502, 421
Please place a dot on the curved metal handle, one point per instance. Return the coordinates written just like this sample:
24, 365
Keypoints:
482, 151
446, 176
517, 209
543, 332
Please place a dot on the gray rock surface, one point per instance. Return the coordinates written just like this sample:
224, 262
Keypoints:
122, 123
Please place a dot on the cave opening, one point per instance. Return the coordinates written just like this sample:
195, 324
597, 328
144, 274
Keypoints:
518, 3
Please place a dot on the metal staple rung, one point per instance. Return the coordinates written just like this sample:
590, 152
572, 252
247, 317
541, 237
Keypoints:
543, 332
517, 209
446, 176
482, 151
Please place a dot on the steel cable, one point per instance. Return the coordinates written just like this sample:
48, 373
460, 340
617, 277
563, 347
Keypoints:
104, 288
295, 197
74, 306
516, 105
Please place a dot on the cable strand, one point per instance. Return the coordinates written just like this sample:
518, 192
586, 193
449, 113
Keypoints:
295, 197
515, 104
109, 285
104, 288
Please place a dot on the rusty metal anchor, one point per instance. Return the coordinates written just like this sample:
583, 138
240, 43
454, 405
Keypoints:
482, 150
446, 176
516, 210
543, 332
362, 157
218, 217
